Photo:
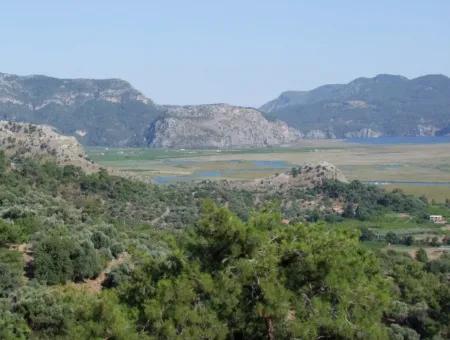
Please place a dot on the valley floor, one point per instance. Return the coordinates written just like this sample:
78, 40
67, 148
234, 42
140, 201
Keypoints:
421, 169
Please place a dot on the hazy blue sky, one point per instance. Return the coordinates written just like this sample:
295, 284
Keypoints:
241, 52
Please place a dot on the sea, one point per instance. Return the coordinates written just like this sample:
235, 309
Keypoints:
400, 140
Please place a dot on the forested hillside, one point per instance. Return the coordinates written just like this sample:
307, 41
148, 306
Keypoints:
97, 256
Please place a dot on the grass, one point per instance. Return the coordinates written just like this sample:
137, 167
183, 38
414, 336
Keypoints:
402, 225
440, 210
432, 192
103, 154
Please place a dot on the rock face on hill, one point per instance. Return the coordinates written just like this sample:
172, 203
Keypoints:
217, 126
98, 112
385, 105
42, 142
306, 176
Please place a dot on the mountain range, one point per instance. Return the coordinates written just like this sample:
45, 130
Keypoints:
97, 112
386, 105
110, 112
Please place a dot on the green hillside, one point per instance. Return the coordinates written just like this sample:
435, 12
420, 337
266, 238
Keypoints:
97, 256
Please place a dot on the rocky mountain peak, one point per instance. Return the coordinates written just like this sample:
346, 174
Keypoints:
217, 126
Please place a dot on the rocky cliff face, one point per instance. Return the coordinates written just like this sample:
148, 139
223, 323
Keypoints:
320, 134
97, 112
217, 126
42, 142
363, 133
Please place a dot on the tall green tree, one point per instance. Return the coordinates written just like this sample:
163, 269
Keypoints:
261, 279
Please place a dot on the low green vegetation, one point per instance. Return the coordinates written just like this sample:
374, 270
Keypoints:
437, 193
86, 256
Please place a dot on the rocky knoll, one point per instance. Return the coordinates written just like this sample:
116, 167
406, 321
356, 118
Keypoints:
306, 176
217, 126
42, 142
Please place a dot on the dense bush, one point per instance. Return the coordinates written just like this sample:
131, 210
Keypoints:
423, 296
70, 314
11, 271
3, 162
52, 259
260, 279
364, 201
59, 257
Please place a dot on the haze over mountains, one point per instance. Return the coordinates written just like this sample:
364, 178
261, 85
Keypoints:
111, 112
386, 105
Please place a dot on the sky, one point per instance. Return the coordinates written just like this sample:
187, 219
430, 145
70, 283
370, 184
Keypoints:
240, 52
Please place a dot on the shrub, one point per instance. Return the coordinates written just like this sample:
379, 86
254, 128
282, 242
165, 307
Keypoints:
392, 238
86, 262
3, 162
12, 325
9, 233
116, 249
100, 240
11, 271
44, 311
421, 255
367, 234
52, 259
59, 258
409, 240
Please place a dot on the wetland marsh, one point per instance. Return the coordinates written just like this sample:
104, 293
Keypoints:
421, 169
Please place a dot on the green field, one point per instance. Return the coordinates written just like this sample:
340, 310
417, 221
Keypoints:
432, 192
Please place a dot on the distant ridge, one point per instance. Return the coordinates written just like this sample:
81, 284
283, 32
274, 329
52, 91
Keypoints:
111, 112
98, 112
385, 105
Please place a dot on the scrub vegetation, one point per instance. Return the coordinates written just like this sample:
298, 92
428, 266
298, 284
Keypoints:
86, 256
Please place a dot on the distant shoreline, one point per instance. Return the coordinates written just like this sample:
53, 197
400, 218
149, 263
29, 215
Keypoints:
400, 140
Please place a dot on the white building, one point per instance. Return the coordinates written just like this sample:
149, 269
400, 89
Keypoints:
439, 219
